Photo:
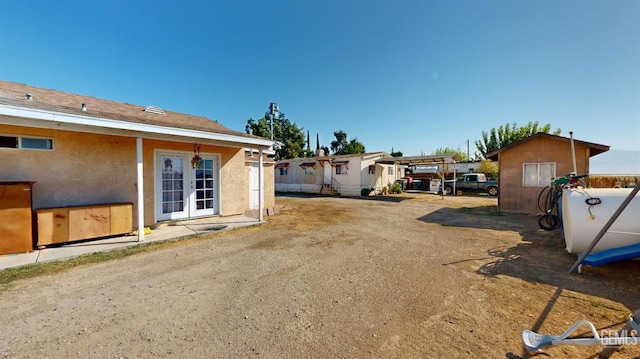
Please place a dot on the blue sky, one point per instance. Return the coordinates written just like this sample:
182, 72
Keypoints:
412, 75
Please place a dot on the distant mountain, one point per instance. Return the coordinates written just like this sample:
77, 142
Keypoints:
615, 162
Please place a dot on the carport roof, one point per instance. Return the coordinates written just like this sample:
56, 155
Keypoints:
415, 160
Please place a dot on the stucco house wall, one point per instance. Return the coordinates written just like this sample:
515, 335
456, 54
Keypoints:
514, 196
88, 169
233, 182
82, 169
94, 159
252, 159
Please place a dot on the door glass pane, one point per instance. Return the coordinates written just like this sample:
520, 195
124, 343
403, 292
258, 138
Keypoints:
204, 185
172, 184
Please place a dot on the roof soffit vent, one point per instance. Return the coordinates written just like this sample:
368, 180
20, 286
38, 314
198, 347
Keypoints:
154, 109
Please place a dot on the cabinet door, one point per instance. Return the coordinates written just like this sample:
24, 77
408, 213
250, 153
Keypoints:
89, 222
53, 226
121, 218
15, 218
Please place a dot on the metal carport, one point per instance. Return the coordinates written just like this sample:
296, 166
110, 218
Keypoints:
444, 160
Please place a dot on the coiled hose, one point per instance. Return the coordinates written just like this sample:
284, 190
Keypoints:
550, 219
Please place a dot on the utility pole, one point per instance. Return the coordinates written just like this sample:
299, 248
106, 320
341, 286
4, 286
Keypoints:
273, 111
468, 158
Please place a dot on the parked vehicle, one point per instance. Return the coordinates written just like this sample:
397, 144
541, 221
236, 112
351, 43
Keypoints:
472, 182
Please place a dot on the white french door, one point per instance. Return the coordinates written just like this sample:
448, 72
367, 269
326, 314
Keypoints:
204, 199
183, 191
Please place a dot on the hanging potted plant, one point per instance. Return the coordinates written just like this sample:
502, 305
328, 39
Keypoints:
196, 160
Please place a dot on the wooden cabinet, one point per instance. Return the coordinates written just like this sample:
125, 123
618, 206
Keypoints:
16, 223
68, 224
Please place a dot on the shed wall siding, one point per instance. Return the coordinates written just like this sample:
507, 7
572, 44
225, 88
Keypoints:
514, 197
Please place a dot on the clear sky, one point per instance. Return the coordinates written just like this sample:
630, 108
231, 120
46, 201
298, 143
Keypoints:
412, 75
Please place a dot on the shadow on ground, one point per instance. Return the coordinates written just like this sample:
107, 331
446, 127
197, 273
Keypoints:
540, 257
389, 198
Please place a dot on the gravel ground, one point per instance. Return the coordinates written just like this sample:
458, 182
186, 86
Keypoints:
403, 276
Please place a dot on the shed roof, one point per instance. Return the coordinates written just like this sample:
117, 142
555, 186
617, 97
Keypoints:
112, 114
595, 148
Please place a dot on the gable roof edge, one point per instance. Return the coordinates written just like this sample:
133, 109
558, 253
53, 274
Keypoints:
595, 147
135, 129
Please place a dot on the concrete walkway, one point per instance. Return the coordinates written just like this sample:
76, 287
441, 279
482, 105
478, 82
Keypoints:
164, 232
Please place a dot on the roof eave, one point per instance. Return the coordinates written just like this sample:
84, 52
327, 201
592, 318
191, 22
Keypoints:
49, 119
594, 148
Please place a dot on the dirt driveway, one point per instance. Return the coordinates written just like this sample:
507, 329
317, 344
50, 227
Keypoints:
406, 276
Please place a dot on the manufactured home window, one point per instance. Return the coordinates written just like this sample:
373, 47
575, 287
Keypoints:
284, 171
390, 171
309, 171
538, 174
37, 143
372, 169
341, 169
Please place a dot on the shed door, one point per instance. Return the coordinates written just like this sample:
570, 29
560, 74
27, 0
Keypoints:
254, 186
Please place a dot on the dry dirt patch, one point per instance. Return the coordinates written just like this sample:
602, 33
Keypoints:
405, 276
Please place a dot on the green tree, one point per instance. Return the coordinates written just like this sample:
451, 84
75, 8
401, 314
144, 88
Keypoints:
458, 155
286, 132
353, 147
489, 167
507, 134
340, 142
342, 147
395, 153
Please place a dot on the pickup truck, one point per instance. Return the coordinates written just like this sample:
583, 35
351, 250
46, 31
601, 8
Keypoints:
472, 182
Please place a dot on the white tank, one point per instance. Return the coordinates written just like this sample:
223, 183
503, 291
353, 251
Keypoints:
582, 222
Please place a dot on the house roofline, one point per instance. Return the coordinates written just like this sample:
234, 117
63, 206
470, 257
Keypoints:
72, 122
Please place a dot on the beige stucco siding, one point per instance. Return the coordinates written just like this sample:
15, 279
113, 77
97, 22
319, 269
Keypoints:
81, 169
232, 179
268, 182
88, 169
269, 186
